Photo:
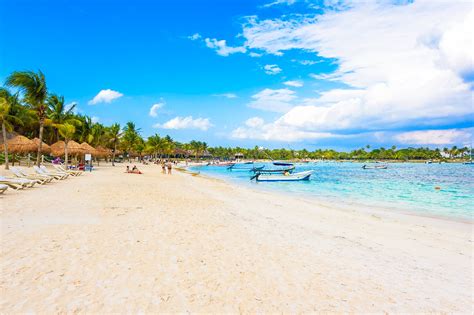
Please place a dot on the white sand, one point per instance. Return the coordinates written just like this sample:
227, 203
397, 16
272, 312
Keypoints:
114, 242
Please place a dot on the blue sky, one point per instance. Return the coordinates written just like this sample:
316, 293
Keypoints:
282, 73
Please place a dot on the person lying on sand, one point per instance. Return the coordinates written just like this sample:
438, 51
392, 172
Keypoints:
134, 170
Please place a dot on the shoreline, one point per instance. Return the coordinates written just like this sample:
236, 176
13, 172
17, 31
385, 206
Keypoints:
375, 208
161, 243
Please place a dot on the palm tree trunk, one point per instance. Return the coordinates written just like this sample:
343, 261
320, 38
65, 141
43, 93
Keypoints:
38, 158
113, 153
66, 154
4, 132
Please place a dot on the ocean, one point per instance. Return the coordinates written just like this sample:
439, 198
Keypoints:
410, 187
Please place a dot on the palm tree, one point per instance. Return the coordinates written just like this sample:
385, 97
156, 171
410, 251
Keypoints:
59, 114
67, 132
7, 117
85, 130
114, 134
33, 85
131, 136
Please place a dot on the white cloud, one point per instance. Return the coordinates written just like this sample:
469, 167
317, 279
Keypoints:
195, 36
255, 55
155, 107
294, 83
272, 69
186, 123
403, 65
95, 119
277, 2
254, 122
256, 129
273, 100
227, 95
435, 137
221, 48
306, 62
105, 96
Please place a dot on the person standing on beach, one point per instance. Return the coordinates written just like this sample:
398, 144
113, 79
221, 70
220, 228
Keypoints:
170, 166
163, 167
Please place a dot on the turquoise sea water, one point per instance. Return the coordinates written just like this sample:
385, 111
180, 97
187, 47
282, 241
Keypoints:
405, 186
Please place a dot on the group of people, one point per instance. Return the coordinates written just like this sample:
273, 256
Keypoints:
134, 170
166, 166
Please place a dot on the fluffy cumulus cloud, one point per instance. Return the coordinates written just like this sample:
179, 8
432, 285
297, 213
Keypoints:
294, 83
255, 128
186, 123
155, 107
403, 65
105, 96
435, 137
272, 69
254, 122
221, 48
273, 100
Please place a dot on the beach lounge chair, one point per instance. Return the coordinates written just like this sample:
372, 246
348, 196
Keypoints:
41, 172
12, 184
3, 188
24, 182
48, 172
18, 172
60, 168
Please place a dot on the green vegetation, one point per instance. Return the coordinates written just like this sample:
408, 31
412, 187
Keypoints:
35, 112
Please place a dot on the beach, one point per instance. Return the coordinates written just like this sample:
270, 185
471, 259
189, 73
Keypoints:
109, 241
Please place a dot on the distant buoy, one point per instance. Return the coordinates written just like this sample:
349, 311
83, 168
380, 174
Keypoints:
437, 187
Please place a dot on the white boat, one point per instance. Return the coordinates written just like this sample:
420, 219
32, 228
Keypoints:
283, 177
374, 167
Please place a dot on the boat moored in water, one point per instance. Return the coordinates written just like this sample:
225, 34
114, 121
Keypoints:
259, 177
276, 170
282, 164
374, 167
244, 167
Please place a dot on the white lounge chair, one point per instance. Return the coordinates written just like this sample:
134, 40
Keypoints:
72, 172
48, 172
18, 172
40, 172
13, 185
24, 182
3, 188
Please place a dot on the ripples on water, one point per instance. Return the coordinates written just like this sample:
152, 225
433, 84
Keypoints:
407, 186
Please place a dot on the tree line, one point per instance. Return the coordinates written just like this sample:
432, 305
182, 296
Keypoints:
29, 108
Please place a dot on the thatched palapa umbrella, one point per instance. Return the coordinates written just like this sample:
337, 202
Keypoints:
73, 148
20, 144
88, 148
102, 152
44, 147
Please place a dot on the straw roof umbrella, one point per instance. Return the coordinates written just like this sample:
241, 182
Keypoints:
88, 148
103, 152
44, 148
21, 144
73, 148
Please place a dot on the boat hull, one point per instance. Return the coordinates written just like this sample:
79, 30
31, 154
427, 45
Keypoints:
285, 178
